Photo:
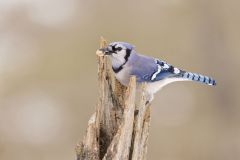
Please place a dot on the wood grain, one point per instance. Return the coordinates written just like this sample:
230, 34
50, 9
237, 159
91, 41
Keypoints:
119, 128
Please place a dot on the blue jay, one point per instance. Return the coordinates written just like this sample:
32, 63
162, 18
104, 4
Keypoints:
126, 62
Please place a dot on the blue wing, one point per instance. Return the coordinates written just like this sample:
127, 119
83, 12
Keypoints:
148, 69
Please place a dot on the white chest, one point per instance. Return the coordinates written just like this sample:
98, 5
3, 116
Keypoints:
123, 76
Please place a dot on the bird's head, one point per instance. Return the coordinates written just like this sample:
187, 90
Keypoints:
119, 52
117, 48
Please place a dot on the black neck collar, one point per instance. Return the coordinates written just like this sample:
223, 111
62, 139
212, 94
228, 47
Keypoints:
118, 69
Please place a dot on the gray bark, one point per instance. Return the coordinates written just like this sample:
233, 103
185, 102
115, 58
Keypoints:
119, 128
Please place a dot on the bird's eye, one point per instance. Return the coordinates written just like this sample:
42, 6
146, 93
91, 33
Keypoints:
118, 49
114, 48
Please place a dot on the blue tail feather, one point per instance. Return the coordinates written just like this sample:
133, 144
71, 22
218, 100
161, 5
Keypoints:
198, 78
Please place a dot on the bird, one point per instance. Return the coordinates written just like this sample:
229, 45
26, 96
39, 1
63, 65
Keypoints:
155, 73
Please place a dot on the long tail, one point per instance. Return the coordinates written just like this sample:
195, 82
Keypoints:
197, 77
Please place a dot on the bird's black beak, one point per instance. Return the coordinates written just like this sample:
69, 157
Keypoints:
107, 51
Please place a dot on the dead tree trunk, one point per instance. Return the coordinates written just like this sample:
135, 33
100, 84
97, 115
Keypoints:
119, 128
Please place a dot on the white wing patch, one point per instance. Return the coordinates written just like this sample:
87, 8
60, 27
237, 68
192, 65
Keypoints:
156, 73
176, 70
166, 66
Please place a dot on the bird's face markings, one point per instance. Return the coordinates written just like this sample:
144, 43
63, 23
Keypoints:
119, 52
117, 47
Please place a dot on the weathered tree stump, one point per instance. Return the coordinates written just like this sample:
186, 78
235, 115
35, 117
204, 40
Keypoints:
119, 128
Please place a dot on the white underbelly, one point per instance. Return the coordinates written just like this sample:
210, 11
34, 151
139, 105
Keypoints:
153, 87
123, 77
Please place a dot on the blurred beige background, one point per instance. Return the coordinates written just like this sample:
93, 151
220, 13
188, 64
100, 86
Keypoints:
48, 74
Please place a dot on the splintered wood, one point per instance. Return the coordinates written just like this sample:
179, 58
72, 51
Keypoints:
119, 128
